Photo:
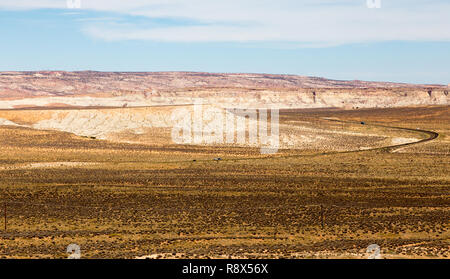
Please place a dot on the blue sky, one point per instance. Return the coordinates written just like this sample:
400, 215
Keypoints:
402, 41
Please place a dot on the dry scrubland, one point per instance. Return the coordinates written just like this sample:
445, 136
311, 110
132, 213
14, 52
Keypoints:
153, 126
127, 200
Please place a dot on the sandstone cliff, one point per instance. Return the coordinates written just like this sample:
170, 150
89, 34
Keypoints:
102, 89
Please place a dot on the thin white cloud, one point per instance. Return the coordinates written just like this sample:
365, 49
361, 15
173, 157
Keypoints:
307, 22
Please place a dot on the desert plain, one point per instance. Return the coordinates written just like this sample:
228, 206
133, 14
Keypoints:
88, 158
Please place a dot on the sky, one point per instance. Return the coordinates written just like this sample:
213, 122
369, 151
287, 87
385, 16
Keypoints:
375, 40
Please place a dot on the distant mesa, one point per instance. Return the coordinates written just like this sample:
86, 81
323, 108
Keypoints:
59, 89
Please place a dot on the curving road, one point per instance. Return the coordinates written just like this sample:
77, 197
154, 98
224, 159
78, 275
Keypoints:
431, 136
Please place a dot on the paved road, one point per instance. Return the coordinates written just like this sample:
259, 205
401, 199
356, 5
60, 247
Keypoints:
431, 136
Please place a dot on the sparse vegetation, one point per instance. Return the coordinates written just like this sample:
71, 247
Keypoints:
171, 201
